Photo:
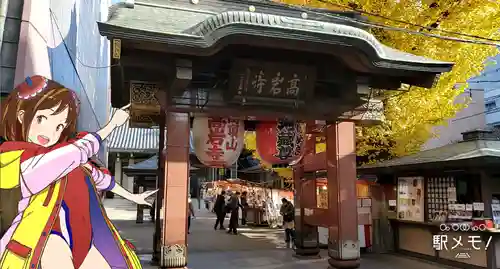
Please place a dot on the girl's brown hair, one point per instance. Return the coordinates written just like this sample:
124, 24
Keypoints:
54, 95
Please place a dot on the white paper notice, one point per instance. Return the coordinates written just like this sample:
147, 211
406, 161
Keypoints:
478, 206
367, 202
392, 203
452, 194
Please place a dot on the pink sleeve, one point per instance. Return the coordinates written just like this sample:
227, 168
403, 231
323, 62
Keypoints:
39, 171
104, 181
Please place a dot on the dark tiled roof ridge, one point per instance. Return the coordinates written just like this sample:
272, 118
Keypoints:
456, 151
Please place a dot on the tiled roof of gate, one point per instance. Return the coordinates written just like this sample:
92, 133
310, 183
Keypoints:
135, 140
150, 164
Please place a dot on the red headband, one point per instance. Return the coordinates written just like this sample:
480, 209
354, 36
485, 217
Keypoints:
32, 86
36, 84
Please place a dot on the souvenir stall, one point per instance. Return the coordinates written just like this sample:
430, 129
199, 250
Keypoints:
264, 203
364, 205
449, 191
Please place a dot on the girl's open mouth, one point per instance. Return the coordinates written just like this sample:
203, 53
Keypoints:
43, 139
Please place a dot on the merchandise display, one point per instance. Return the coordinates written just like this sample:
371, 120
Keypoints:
410, 198
438, 194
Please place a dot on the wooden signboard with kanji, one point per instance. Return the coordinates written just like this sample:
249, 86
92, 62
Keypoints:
267, 83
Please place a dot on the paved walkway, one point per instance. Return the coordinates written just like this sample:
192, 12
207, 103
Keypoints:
254, 248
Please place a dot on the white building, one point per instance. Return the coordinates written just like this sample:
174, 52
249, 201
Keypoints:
482, 112
469, 118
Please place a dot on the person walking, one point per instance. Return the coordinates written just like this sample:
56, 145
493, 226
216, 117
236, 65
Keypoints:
287, 210
244, 207
220, 210
234, 205
207, 203
190, 213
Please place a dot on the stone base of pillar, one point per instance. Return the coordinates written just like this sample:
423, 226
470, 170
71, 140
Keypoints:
343, 264
173, 256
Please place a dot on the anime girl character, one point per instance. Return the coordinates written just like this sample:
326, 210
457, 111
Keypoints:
61, 223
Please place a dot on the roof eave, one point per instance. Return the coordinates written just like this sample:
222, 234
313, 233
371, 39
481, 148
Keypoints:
215, 40
441, 165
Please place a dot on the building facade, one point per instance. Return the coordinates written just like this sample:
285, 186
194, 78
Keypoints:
60, 40
483, 110
492, 106
469, 118
491, 86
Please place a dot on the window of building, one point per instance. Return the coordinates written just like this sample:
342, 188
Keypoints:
490, 105
468, 189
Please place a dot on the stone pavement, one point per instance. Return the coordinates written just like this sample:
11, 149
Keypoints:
254, 248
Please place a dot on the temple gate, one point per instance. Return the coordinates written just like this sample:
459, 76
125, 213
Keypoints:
256, 61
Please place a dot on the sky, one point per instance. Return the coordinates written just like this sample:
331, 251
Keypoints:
490, 73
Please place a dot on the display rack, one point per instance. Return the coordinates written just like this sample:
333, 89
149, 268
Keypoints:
438, 196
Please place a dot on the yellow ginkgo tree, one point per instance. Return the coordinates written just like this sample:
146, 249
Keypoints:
411, 115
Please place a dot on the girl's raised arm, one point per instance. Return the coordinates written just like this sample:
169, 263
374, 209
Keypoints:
103, 179
40, 169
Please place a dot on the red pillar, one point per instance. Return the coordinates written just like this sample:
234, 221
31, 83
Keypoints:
343, 244
160, 186
174, 236
306, 240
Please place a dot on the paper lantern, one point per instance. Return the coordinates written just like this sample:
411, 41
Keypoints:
218, 141
281, 142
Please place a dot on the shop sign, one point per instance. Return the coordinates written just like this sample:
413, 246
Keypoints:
266, 81
218, 141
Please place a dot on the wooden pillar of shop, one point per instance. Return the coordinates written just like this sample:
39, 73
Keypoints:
306, 235
174, 248
486, 195
343, 244
160, 175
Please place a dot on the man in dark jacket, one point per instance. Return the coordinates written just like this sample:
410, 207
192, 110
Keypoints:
287, 210
220, 210
234, 206
244, 207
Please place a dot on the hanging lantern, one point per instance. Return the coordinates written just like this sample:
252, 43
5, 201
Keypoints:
281, 142
218, 141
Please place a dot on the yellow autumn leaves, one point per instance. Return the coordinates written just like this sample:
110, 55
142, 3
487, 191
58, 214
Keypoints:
411, 116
